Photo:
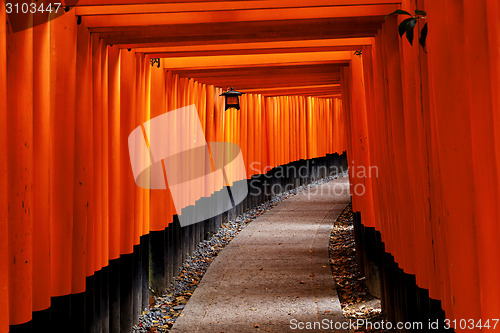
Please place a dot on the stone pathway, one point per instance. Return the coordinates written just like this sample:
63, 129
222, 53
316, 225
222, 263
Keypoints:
274, 275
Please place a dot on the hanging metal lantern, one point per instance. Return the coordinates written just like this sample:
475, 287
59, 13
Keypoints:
232, 98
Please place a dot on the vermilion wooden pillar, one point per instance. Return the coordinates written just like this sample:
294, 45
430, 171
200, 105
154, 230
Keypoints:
114, 183
345, 78
486, 177
114, 152
94, 235
95, 296
416, 144
279, 131
104, 94
269, 116
259, 136
140, 115
273, 130
221, 118
62, 143
127, 186
83, 179
399, 142
210, 126
4, 194
450, 110
19, 131
243, 129
493, 7
159, 214
41, 178
147, 116
127, 125
361, 151
302, 128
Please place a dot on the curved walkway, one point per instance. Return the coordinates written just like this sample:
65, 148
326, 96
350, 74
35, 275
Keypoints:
275, 273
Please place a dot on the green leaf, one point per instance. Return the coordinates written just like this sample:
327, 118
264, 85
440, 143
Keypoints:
408, 24
423, 35
420, 12
402, 27
398, 12
410, 35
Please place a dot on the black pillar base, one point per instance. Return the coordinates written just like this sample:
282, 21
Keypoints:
402, 299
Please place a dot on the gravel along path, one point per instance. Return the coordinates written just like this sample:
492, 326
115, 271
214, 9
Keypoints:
161, 316
356, 301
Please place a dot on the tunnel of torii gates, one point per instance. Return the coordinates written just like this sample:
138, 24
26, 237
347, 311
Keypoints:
325, 82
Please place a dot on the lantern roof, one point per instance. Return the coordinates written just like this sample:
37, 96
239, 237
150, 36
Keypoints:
231, 92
